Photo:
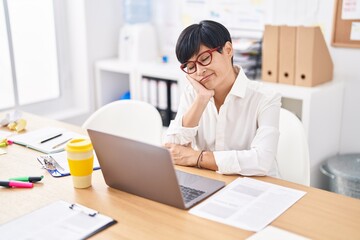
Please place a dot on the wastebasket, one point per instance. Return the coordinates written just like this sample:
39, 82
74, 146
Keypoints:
343, 172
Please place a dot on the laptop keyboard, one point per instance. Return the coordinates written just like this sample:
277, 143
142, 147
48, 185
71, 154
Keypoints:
190, 194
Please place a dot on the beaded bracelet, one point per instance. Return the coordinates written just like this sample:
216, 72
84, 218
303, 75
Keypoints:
199, 159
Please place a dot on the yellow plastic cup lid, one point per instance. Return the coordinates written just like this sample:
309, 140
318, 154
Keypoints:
79, 145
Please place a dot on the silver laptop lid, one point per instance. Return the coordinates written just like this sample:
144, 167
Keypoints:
145, 170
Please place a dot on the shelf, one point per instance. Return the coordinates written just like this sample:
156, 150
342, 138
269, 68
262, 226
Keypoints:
300, 100
112, 80
115, 65
164, 71
299, 92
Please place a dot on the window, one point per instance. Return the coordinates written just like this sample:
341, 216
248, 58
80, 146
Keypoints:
37, 45
6, 79
33, 74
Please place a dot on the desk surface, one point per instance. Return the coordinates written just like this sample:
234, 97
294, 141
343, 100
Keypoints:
318, 215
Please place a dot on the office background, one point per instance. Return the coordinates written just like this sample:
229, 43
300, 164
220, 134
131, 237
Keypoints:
93, 28
102, 21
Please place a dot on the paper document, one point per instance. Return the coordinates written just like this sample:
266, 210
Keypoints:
46, 140
355, 31
274, 233
58, 220
350, 10
248, 204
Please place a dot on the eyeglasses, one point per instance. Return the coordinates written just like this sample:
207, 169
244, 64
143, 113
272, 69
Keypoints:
204, 59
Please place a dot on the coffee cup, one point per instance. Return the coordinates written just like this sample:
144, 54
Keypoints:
80, 156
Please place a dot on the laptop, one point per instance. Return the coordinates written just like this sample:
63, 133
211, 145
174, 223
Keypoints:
147, 171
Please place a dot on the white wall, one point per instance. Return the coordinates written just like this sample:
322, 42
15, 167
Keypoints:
104, 19
99, 35
346, 61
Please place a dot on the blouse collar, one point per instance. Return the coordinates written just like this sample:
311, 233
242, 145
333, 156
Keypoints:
240, 85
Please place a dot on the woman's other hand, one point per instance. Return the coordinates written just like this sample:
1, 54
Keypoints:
183, 155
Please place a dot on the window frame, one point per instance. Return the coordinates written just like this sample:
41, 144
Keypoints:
69, 103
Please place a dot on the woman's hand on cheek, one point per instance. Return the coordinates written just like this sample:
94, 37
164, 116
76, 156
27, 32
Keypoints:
182, 155
201, 90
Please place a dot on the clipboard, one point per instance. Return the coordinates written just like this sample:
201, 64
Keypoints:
58, 220
56, 164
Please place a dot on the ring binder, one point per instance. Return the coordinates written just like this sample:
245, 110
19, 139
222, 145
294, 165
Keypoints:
270, 54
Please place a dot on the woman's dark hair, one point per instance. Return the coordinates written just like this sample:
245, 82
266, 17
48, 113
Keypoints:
209, 33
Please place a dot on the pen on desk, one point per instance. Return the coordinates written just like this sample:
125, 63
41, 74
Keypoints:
59, 144
16, 184
51, 138
28, 179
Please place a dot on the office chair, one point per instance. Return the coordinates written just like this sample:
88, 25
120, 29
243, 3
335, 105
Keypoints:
293, 150
133, 119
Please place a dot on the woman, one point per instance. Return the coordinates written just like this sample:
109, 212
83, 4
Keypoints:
224, 122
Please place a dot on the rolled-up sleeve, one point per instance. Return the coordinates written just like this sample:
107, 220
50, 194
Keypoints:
176, 133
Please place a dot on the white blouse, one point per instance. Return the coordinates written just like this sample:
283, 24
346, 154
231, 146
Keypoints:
243, 135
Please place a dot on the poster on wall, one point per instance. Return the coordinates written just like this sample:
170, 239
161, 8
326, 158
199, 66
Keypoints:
245, 18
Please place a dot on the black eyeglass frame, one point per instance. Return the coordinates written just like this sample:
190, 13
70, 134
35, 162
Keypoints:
210, 51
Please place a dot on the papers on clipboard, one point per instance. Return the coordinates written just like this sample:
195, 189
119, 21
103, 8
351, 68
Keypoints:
248, 204
46, 140
58, 220
57, 164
